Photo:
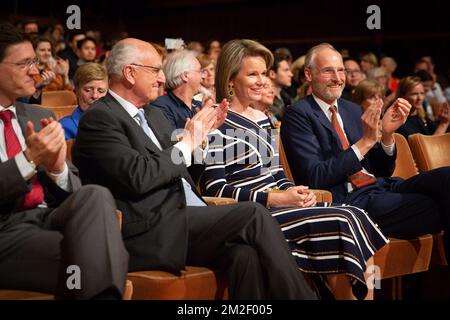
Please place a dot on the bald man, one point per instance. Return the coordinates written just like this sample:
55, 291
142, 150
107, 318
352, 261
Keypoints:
126, 146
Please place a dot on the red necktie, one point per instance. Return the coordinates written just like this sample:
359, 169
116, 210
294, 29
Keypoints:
36, 196
359, 179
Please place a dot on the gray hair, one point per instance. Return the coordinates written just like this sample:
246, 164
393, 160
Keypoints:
390, 61
121, 54
310, 55
376, 72
176, 64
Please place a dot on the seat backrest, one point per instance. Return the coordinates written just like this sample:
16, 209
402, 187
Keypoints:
69, 144
283, 160
61, 111
405, 166
430, 152
58, 98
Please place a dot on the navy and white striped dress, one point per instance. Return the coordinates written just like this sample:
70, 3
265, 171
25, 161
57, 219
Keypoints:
242, 163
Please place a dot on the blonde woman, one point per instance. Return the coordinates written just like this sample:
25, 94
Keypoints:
335, 243
91, 83
411, 89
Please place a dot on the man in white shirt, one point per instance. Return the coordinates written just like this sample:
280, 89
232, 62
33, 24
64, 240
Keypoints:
331, 144
48, 221
126, 146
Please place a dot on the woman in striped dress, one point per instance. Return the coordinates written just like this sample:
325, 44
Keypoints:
335, 242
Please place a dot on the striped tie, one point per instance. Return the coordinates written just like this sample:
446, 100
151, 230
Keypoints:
359, 179
36, 196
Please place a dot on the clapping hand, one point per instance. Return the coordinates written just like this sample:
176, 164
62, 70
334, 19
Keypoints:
48, 146
395, 116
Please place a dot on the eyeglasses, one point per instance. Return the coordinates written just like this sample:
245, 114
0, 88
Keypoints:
328, 72
201, 71
155, 70
25, 65
93, 89
352, 71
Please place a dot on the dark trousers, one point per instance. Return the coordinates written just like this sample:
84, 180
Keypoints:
247, 241
413, 207
38, 246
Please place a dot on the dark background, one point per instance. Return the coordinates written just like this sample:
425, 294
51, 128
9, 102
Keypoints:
408, 29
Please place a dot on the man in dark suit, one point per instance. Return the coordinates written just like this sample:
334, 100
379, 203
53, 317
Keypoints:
128, 148
55, 235
331, 144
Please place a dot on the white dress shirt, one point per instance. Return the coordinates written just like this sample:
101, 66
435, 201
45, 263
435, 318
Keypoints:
191, 198
389, 150
26, 169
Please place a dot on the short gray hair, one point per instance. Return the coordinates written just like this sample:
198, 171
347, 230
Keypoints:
176, 64
376, 72
121, 54
310, 55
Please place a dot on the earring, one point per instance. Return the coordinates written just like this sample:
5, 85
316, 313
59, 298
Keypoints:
230, 90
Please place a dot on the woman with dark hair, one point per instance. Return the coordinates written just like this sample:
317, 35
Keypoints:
53, 73
335, 243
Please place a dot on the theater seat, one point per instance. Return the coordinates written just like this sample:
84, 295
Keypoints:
31, 295
69, 145
195, 283
405, 166
24, 295
430, 152
321, 195
61, 111
58, 98
399, 257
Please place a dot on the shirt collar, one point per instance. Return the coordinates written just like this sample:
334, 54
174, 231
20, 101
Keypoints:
11, 108
180, 103
325, 106
128, 106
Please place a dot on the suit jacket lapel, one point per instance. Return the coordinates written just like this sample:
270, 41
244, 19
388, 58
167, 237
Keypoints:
347, 119
123, 114
23, 118
323, 118
153, 120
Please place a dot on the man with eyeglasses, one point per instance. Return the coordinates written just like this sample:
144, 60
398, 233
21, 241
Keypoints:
48, 221
331, 144
125, 144
183, 81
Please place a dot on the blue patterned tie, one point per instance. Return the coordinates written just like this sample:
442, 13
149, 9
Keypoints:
191, 198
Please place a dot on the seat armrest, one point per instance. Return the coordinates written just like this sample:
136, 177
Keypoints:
214, 201
323, 195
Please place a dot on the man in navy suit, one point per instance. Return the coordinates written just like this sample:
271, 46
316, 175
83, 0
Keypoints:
329, 142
